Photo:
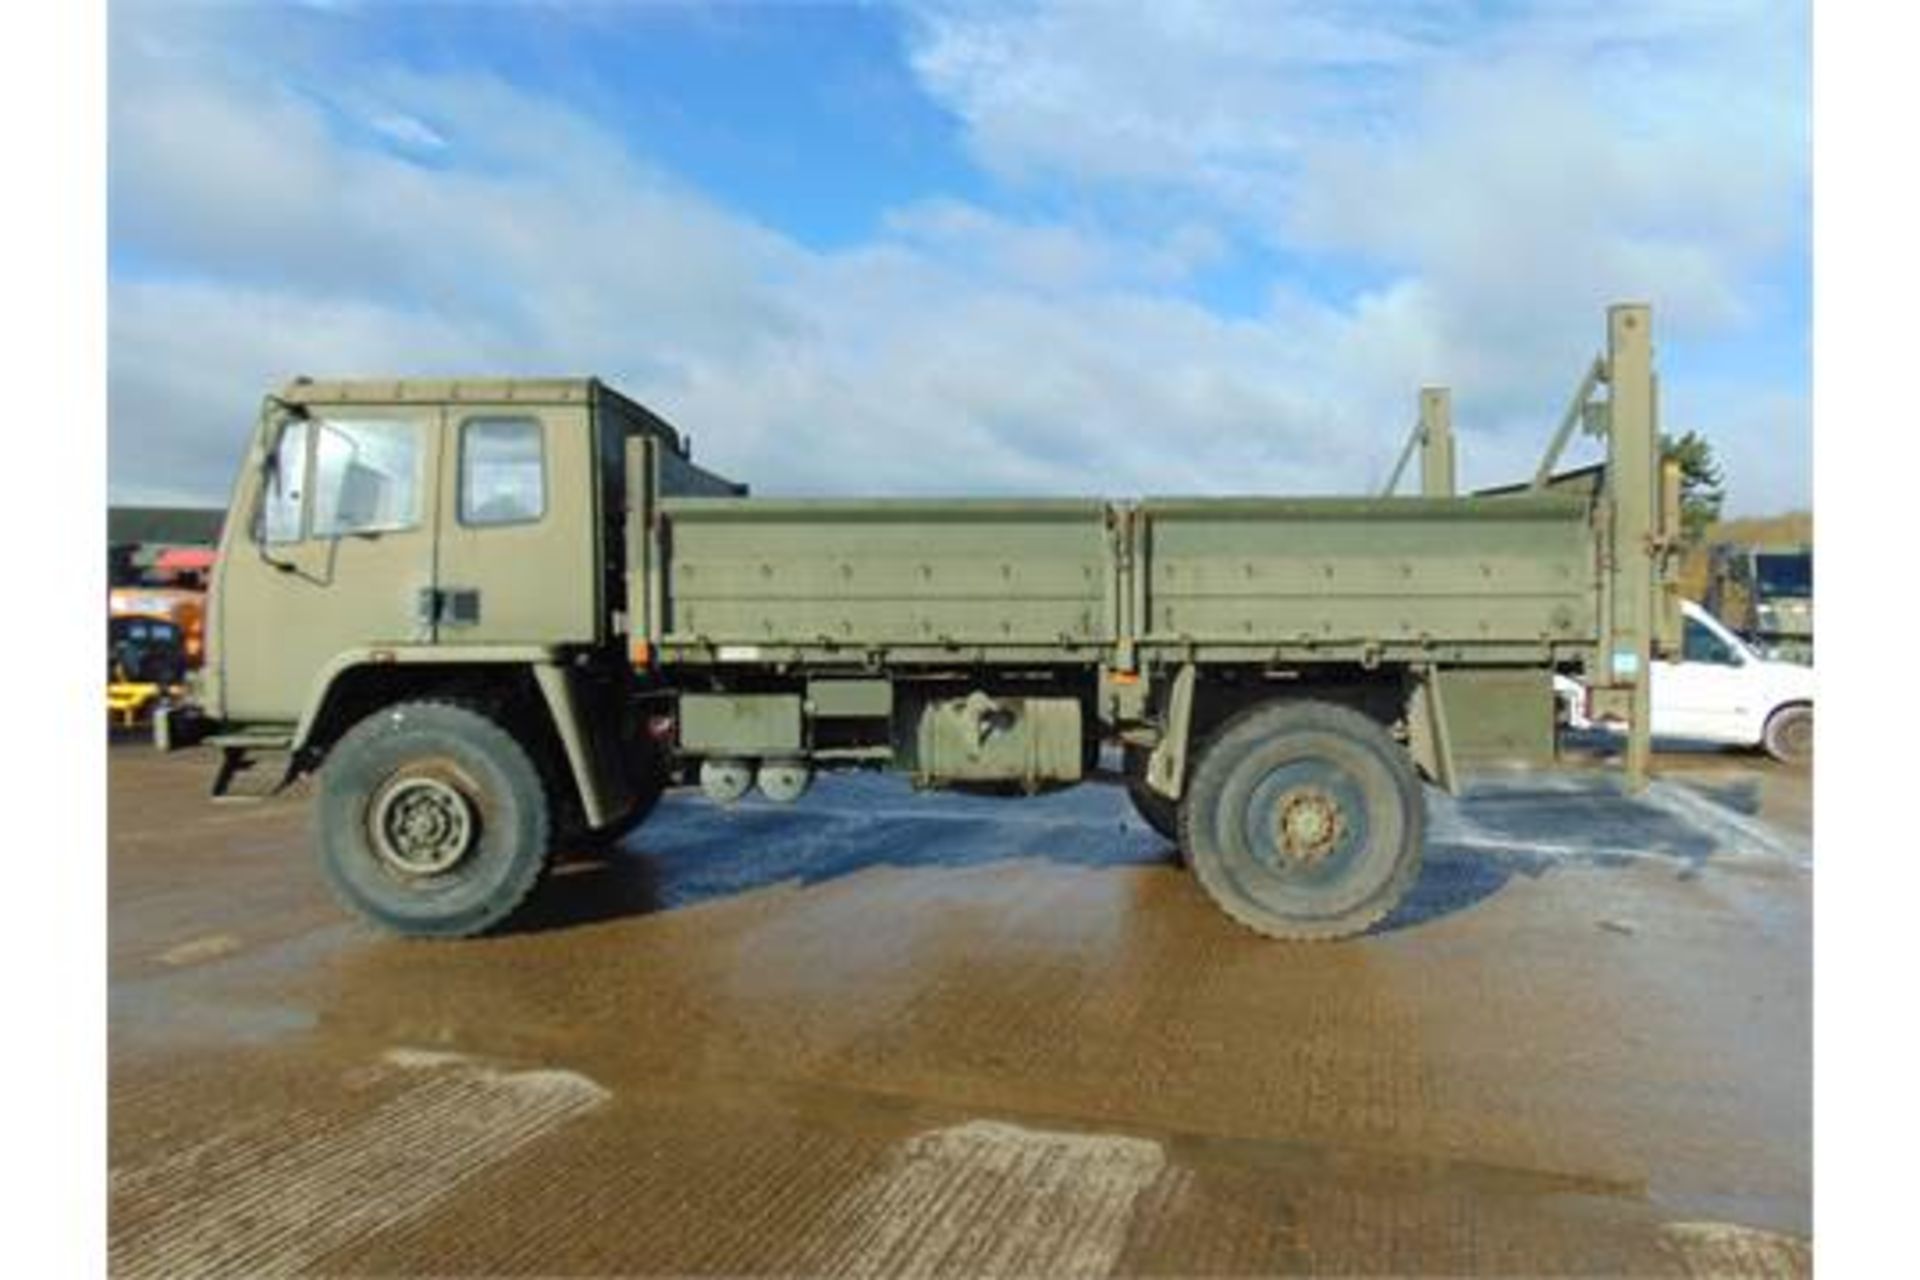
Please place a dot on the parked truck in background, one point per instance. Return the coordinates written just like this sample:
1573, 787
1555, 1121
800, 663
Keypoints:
1766, 595
500, 617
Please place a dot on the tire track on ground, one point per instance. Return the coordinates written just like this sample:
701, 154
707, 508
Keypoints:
989, 1198
271, 1201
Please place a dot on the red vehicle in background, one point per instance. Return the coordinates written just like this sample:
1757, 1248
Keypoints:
176, 593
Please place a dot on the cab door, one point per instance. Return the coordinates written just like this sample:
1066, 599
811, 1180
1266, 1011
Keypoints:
517, 552
335, 552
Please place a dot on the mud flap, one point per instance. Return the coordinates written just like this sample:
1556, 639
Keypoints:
605, 793
1428, 740
1167, 766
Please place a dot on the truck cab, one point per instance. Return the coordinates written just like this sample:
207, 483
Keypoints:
380, 520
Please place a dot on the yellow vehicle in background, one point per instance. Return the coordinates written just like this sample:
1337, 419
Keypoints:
146, 662
185, 608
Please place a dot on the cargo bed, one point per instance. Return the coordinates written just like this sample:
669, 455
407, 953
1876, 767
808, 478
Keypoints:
1082, 581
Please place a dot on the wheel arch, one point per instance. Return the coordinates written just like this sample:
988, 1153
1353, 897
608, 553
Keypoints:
1390, 695
1798, 700
530, 690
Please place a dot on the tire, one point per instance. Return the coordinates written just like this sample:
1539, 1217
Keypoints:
1158, 812
1789, 734
1347, 858
432, 820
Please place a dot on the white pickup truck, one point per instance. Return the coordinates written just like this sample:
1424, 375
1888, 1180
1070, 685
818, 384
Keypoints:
1720, 691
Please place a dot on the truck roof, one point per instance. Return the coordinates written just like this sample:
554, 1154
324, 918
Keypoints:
680, 474
389, 390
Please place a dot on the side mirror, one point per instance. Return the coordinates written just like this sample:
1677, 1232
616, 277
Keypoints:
271, 479
285, 415
282, 416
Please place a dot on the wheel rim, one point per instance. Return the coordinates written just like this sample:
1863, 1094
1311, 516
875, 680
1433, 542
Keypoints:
1304, 832
1305, 822
1796, 736
421, 825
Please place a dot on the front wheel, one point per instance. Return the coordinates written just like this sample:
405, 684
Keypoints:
1303, 820
433, 821
1789, 734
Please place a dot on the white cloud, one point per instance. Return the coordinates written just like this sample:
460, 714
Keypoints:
1052, 256
960, 349
1507, 175
1187, 94
408, 131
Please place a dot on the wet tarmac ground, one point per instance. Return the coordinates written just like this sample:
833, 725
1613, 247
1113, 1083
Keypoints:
885, 1034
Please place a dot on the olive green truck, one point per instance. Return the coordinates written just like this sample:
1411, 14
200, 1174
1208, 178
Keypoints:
497, 619
1766, 594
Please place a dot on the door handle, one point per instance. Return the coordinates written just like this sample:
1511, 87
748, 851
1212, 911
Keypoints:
448, 606
460, 606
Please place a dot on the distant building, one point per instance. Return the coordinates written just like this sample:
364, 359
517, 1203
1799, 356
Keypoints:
166, 526
145, 542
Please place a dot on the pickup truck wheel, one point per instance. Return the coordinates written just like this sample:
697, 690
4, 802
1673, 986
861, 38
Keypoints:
432, 820
1303, 820
1158, 812
1789, 734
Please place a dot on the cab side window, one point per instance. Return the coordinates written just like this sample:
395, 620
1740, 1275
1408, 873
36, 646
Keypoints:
503, 471
1702, 645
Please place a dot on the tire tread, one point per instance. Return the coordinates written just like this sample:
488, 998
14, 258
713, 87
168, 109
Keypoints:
500, 907
1248, 726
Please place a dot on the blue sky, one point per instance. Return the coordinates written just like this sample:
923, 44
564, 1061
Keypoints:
936, 246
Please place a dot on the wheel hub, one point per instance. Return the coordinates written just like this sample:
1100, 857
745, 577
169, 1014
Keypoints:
422, 826
1309, 825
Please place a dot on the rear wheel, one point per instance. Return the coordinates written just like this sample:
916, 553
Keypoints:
433, 820
1789, 734
1303, 820
1158, 812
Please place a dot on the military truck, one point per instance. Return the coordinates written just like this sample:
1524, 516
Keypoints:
1765, 593
499, 618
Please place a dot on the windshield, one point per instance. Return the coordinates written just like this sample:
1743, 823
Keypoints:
1789, 574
